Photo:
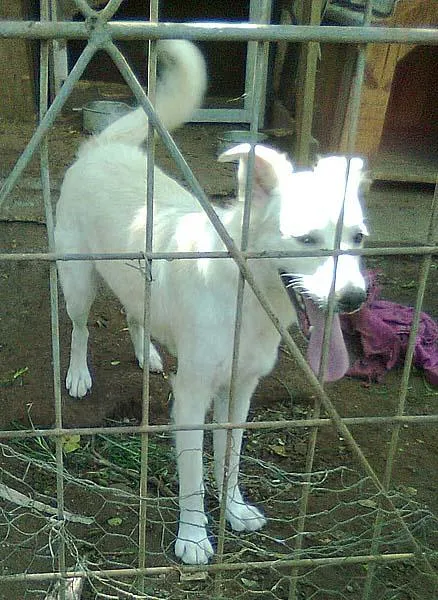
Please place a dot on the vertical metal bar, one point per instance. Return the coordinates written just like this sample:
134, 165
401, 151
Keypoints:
353, 124
316, 413
54, 309
57, 46
150, 165
309, 56
259, 12
393, 445
261, 52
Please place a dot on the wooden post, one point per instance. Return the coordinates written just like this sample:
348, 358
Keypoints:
306, 85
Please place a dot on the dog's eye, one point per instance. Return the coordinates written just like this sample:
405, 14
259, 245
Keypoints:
358, 238
308, 240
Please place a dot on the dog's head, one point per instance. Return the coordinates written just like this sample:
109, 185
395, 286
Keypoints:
299, 211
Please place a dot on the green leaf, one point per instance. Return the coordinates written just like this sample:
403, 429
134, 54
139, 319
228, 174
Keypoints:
70, 443
368, 503
279, 450
20, 372
249, 583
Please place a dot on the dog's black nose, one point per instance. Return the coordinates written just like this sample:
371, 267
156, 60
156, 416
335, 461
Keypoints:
351, 300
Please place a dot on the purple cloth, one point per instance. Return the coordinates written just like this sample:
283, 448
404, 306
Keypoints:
383, 330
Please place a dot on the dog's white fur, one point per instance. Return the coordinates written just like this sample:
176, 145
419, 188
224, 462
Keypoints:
193, 305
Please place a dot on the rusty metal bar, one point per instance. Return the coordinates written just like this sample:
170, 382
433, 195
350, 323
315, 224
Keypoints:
135, 30
390, 421
214, 568
137, 256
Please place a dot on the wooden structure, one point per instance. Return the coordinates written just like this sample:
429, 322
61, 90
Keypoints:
17, 67
398, 123
398, 117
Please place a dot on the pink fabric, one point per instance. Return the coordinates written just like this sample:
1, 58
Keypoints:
383, 329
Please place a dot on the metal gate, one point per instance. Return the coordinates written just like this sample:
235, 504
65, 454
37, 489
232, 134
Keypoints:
396, 532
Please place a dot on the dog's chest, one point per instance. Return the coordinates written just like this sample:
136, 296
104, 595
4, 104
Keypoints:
258, 344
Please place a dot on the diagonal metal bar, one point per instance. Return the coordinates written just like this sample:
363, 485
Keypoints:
238, 257
85, 8
109, 10
48, 120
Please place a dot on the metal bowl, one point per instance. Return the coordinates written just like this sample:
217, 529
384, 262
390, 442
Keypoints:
99, 114
228, 139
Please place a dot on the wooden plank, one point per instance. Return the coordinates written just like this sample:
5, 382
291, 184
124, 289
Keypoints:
409, 167
381, 66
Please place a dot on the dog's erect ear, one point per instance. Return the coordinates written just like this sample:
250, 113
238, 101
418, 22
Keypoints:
268, 168
334, 171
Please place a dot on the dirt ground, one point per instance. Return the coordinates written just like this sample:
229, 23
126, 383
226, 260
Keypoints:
26, 388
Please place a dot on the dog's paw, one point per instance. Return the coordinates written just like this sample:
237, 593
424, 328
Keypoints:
155, 363
244, 517
78, 382
192, 545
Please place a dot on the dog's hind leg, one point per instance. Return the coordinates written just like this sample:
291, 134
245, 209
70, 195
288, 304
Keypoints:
241, 515
137, 336
79, 286
192, 397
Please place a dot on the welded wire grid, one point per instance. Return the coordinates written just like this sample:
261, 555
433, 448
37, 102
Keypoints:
100, 523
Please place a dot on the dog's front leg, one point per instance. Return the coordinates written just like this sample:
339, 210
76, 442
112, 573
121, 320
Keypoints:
192, 400
241, 515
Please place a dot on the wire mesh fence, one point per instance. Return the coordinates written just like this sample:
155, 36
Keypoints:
93, 512
100, 527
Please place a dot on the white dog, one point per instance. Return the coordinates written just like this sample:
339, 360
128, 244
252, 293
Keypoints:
193, 304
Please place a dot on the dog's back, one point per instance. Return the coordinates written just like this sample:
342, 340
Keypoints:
107, 184
113, 163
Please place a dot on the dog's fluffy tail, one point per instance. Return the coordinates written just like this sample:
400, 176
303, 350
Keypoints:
180, 89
